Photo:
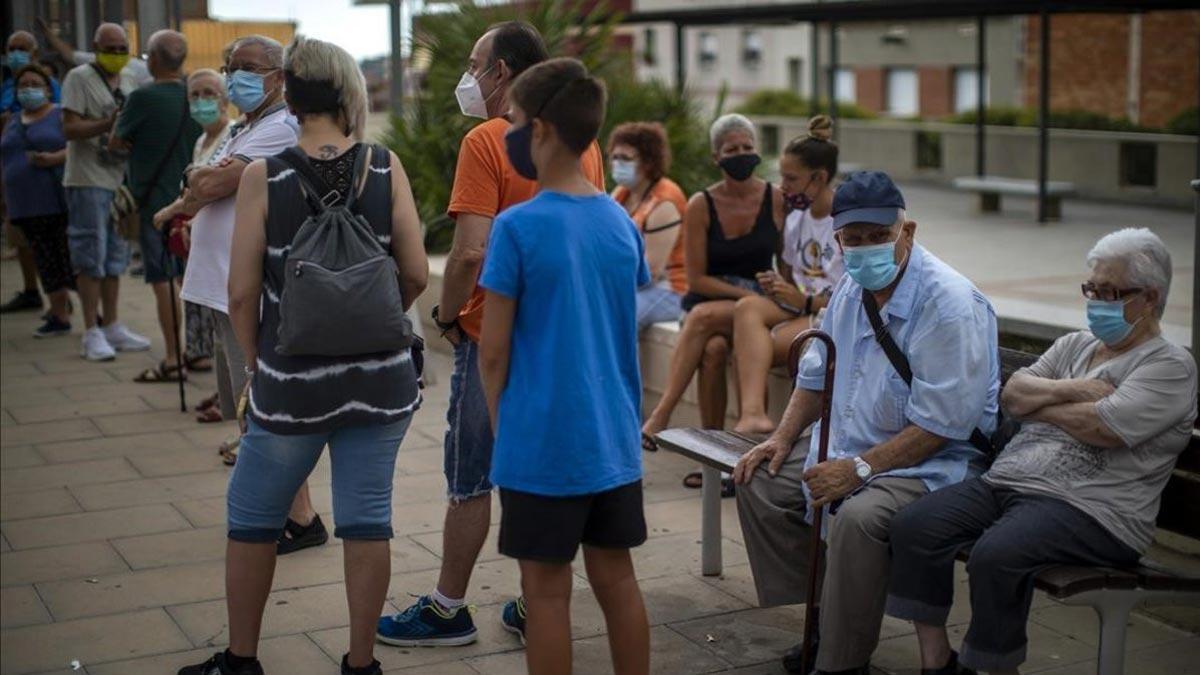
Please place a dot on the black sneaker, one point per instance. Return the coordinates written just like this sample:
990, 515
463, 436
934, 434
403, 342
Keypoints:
53, 326
297, 537
952, 667
373, 669
22, 301
218, 665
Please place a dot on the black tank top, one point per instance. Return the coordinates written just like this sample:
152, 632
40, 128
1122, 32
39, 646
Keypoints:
744, 256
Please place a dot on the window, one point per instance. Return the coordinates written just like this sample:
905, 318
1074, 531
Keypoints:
795, 74
649, 47
901, 92
1139, 164
708, 49
966, 89
752, 48
845, 86
929, 150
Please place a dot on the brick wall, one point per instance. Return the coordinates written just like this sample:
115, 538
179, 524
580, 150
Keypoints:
868, 88
1089, 63
935, 90
1170, 61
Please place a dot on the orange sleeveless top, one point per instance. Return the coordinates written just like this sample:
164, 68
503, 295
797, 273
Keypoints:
665, 190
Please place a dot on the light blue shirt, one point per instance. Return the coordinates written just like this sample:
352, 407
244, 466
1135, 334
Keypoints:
947, 329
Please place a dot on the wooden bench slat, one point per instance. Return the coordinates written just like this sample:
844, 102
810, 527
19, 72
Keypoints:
718, 449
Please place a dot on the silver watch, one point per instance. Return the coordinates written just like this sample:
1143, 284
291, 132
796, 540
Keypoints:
862, 469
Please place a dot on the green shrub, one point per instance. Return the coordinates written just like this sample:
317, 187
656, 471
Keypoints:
1186, 122
788, 103
1059, 119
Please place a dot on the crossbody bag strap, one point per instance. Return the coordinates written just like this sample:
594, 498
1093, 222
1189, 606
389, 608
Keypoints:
900, 362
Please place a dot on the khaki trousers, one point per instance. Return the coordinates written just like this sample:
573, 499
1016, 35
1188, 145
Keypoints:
856, 554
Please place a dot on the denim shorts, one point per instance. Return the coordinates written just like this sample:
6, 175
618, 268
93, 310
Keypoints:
468, 446
272, 467
97, 250
657, 303
161, 265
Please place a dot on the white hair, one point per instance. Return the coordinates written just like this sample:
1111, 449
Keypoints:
727, 124
1146, 258
209, 73
272, 50
314, 60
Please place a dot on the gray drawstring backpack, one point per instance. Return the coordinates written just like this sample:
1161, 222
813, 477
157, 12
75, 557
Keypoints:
341, 287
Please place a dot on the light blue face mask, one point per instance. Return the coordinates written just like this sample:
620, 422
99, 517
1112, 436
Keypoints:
246, 90
872, 267
1106, 320
624, 172
18, 59
31, 98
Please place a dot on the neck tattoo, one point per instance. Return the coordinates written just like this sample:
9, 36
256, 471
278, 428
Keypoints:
327, 151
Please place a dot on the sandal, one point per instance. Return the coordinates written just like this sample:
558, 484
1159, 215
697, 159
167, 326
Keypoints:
161, 373
199, 364
695, 480
209, 415
210, 402
228, 451
297, 537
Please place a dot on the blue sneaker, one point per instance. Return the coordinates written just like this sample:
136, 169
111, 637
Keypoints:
513, 618
425, 624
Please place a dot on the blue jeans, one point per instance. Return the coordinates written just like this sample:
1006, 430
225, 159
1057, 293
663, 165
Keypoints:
97, 250
468, 445
657, 303
272, 467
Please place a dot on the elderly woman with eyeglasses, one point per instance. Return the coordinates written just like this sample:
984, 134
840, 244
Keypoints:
1104, 414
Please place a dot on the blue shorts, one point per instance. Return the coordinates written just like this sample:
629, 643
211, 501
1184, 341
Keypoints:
160, 264
657, 303
468, 446
272, 467
97, 250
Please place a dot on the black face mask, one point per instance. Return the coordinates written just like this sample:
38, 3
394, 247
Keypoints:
740, 167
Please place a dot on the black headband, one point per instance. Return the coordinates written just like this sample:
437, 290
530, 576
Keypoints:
312, 96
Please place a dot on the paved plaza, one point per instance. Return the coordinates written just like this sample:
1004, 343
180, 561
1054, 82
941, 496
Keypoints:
112, 512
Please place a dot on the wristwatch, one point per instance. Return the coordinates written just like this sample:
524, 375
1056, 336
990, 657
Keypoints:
443, 326
862, 469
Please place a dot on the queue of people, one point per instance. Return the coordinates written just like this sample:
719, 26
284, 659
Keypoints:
549, 282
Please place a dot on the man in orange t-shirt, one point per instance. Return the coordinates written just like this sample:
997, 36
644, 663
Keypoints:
485, 184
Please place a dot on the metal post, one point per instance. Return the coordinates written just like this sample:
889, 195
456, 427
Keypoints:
815, 89
177, 15
396, 89
833, 68
680, 58
980, 96
151, 17
1196, 277
710, 521
1043, 115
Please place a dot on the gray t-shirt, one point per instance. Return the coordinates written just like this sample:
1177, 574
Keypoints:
89, 163
1152, 411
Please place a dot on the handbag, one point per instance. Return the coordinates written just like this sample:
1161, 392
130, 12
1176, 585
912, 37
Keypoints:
176, 244
124, 208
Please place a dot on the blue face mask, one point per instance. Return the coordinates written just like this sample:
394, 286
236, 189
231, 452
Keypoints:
31, 98
17, 59
518, 144
872, 267
1106, 320
246, 90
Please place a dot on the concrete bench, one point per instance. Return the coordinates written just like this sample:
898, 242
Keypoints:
990, 189
1112, 593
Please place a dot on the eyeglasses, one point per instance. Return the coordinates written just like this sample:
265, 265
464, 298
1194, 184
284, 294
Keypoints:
1106, 293
113, 50
249, 68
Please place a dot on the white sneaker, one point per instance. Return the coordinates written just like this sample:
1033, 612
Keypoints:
124, 340
95, 345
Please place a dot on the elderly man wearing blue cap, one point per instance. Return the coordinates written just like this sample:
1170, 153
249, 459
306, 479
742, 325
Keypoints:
915, 397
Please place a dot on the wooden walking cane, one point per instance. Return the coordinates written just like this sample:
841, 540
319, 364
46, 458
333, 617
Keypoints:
807, 650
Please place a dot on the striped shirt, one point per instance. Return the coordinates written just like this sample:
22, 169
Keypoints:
317, 394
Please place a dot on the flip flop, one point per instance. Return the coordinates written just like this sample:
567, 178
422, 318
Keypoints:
695, 480
210, 402
192, 361
161, 373
209, 415
228, 451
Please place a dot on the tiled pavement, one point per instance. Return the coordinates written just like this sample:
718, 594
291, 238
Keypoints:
111, 515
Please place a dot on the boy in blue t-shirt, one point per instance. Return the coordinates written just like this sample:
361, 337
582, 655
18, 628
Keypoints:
558, 357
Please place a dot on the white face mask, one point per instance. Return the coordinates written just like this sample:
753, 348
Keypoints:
470, 97
624, 172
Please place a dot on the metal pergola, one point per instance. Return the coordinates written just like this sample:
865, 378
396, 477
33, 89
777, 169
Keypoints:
849, 11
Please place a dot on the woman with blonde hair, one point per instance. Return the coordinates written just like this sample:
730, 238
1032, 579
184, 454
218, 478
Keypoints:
360, 405
810, 266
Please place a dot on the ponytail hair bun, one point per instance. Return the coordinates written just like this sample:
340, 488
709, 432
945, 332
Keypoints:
820, 128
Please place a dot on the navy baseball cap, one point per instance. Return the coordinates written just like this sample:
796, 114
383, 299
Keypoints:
867, 197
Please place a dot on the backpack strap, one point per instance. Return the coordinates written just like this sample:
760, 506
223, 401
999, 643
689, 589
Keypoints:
319, 195
900, 362
358, 179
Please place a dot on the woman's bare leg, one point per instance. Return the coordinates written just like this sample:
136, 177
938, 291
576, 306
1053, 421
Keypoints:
754, 350
712, 388
705, 320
